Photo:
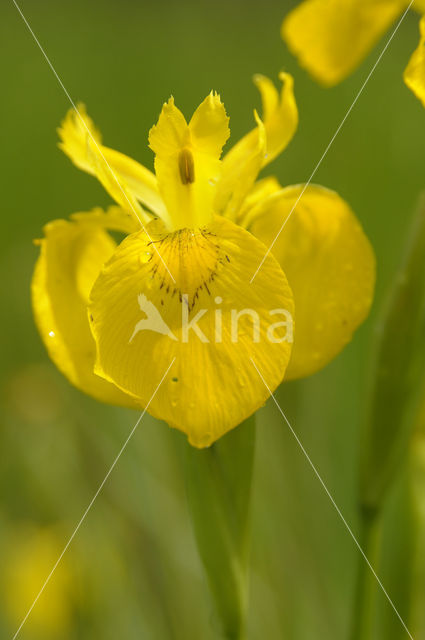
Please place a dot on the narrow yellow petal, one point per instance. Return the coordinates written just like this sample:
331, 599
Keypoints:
330, 38
71, 256
260, 146
114, 183
240, 168
414, 74
330, 267
261, 190
187, 160
82, 143
142, 321
114, 219
280, 114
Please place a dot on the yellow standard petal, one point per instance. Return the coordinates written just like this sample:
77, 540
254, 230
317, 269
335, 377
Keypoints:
126, 180
414, 74
260, 146
330, 267
71, 256
211, 322
187, 160
330, 38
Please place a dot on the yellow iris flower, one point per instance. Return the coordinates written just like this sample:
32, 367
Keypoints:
197, 231
330, 38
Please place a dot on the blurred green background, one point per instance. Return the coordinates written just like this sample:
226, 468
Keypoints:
132, 570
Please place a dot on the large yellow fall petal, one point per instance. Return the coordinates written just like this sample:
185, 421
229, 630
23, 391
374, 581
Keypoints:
187, 160
414, 74
331, 37
260, 146
138, 324
71, 256
330, 267
122, 177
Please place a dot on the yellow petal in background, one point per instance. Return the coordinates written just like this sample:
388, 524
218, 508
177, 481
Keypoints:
414, 74
418, 5
71, 256
82, 143
138, 325
187, 160
330, 38
330, 267
244, 161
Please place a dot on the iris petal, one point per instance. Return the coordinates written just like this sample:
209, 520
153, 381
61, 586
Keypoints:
138, 324
330, 267
187, 160
330, 38
414, 75
71, 257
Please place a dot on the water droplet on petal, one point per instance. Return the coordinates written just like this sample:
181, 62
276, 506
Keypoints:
145, 257
52, 334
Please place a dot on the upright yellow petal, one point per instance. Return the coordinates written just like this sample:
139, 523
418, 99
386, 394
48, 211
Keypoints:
142, 320
114, 183
280, 114
71, 257
414, 74
330, 38
187, 160
330, 267
240, 169
260, 146
82, 143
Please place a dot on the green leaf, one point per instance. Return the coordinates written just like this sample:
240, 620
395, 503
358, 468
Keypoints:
219, 493
398, 373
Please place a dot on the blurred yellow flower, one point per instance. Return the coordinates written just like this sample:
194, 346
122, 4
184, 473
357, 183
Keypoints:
414, 75
204, 224
26, 565
330, 38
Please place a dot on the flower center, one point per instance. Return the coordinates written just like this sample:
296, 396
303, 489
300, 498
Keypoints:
193, 256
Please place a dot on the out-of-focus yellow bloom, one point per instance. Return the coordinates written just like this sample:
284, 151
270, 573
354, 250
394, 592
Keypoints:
330, 38
414, 75
24, 570
207, 220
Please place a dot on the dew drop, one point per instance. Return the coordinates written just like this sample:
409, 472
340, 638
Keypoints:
52, 334
145, 257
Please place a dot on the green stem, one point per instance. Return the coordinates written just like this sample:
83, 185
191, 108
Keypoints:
218, 481
363, 621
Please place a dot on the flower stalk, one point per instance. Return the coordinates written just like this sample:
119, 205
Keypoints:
218, 483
